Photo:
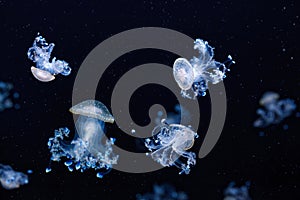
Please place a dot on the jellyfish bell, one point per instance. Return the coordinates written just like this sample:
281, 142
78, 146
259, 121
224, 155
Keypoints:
170, 143
188, 135
42, 75
94, 109
183, 73
268, 97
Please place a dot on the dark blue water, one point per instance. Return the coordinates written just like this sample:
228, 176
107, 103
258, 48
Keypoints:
263, 39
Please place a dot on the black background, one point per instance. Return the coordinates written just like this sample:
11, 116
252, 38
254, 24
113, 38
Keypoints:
261, 36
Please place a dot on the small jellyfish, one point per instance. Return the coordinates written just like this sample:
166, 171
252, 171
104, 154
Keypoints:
11, 179
274, 110
268, 98
174, 117
7, 96
163, 192
237, 193
88, 148
40, 53
170, 141
194, 75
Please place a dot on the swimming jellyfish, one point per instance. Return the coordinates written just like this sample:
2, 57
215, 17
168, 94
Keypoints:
237, 193
194, 75
7, 96
45, 70
163, 192
170, 141
274, 110
11, 179
87, 149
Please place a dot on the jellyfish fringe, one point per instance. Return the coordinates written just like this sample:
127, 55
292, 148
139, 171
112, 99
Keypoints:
77, 154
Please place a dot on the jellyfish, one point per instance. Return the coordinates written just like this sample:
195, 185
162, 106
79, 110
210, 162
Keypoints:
7, 96
45, 70
274, 110
193, 76
88, 148
163, 192
237, 193
169, 142
173, 117
11, 179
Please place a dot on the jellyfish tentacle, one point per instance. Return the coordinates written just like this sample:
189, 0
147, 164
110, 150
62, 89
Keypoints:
88, 148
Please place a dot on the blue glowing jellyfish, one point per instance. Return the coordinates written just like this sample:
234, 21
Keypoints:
11, 179
7, 96
274, 110
170, 141
87, 149
194, 75
45, 70
173, 117
163, 192
237, 193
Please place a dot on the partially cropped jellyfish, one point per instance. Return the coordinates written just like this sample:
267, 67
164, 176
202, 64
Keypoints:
237, 193
193, 76
7, 96
173, 117
88, 148
274, 110
163, 192
11, 179
45, 70
171, 141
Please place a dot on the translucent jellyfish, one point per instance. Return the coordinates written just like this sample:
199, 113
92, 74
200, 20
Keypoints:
274, 110
163, 192
45, 70
7, 96
237, 193
170, 141
11, 179
194, 75
88, 148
